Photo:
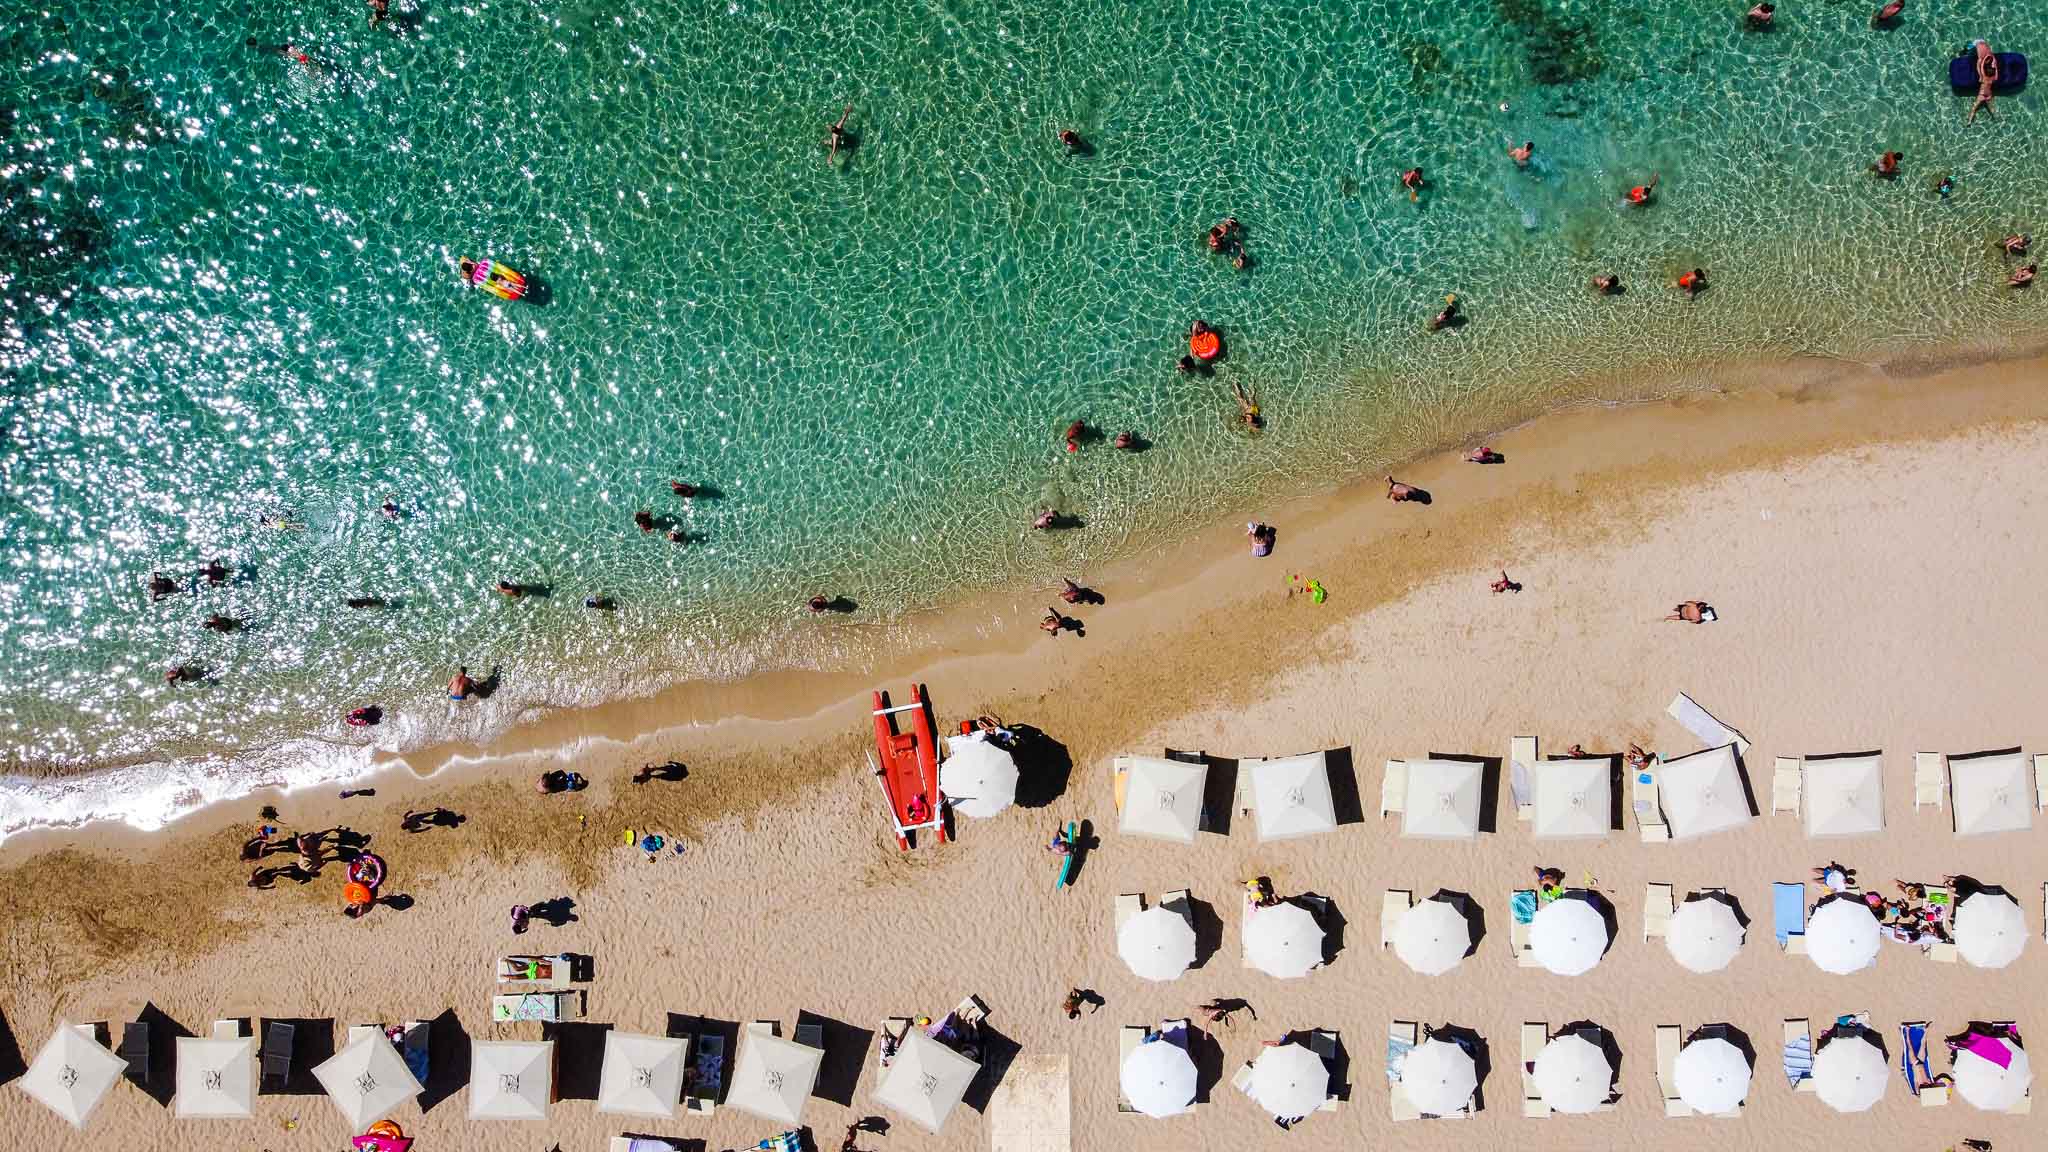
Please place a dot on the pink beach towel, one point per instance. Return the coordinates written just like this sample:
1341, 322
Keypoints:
1989, 1047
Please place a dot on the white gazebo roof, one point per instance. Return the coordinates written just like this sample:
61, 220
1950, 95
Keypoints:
216, 1077
642, 1075
1703, 793
368, 1079
925, 1081
1162, 798
1844, 797
1574, 798
511, 1079
1443, 799
73, 1073
1991, 794
1291, 797
774, 1077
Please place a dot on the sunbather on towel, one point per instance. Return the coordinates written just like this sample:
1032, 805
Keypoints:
1692, 612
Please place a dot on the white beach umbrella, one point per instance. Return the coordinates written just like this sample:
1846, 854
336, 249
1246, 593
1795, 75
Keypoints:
642, 1075
1704, 935
511, 1079
1439, 1076
1987, 1084
1158, 1078
1443, 800
1162, 798
1990, 929
1703, 793
1432, 937
73, 1072
1568, 936
925, 1081
1849, 1073
1712, 1075
1157, 944
1289, 1080
1991, 794
1573, 1075
367, 1079
1842, 935
1291, 797
774, 1077
979, 779
1574, 798
1844, 797
1283, 940
216, 1077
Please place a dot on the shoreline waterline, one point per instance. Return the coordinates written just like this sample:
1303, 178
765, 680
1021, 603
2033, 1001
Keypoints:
985, 649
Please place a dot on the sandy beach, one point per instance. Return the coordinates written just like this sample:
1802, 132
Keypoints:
1870, 542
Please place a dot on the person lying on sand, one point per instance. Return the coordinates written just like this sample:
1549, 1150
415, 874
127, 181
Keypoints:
1504, 584
1691, 612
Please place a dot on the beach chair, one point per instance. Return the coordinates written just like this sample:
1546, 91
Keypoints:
1913, 1058
1393, 906
1242, 1081
226, 1030
546, 1007
414, 1047
2041, 780
1521, 767
1797, 1055
1127, 1040
970, 1010
1701, 723
1394, 789
1244, 783
763, 1027
706, 1076
1402, 1035
359, 1031
1246, 906
810, 1036
1128, 904
1178, 902
1788, 916
1669, 1041
888, 1036
522, 969
1522, 913
1648, 803
135, 1050
1929, 769
1324, 1043
1785, 785
1534, 1037
278, 1041
1657, 910
1119, 772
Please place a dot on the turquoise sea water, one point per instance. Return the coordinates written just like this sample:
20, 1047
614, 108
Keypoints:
226, 294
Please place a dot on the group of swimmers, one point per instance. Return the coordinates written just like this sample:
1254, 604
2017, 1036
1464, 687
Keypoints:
645, 521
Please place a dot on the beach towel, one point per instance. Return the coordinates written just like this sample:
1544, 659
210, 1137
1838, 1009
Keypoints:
1397, 1052
1798, 1060
1988, 1047
1913, 1052
1788, 910
1701, 723
1523, 905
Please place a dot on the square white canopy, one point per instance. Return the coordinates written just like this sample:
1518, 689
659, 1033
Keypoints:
1574, 798
368, 1079
1703, 793
1991, 794
925, 1081
774, 1077
1290, 796
1844, 796
73, 1073
1162, 798
511, 1079
1443, 799
642, 1075
216, 1077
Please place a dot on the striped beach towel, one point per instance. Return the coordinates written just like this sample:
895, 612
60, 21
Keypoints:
1798, 1060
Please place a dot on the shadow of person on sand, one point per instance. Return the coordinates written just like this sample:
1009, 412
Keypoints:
431, 818
554, 912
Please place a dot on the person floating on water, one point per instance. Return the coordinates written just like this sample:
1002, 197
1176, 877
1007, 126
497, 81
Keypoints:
1125, 442
1247, 407
1412, 181
836, 135
2021, 278
216, 573
1887, 166
180, 674
161, 585
219, 623
1692, 282
1073, 142
1888, 13
1607, 284
1484, 455
1045, 519
1641, 194
644, 520
509, 590
678, 536
683, 489
1760, 16
1521, 155
1448, 316
2016, 244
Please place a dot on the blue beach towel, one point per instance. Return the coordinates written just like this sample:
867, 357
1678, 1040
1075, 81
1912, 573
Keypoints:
1914, 1051
1788, 911
1523, 905
1798, 1060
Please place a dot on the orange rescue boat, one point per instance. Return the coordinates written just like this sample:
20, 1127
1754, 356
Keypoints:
908, 767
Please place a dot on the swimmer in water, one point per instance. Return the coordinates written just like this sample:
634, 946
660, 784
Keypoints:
216, 573
161, 585
1247, 407
1944, 185
220, 623
598, 603
179, 674
1045, 519
1075, 432
2021, 278
1760, 16
1125, 441
2016, 244
1412, 181
1448, 316
1072, 139
836, 135
1521, 155
678, 536
511, 591
817, 604
1888, 13
1887, 166
365, 601
644, 519
390, 509
682, 489
461, 685
1641, 194
1692, 282
1607, 284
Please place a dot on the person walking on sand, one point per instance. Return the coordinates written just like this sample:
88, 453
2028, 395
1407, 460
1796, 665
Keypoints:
836, 135
1504, 584
1072, 593
1054, 623
1483, 455
1219, 1010
1077, 997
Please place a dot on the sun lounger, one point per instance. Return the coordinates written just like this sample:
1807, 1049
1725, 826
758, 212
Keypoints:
226, 1030
1798, 1055
521, 969
1521, 914
1323, 1043
1788, 916
1913, 1055
547, 1007
970, 1010
2041, 780
1929, 769
1242, 1081
1649, 806
1178, 902
1246, 906
811, 1036
1119, 772
1785, 784
763, 1027
888, 1035
1521, 767
705, 1077
644, 1144
1534, 1037
1394, 789
1657, 910
1401, 1037
1393, 906
278, 1040
359, 1031
1244, 783
1668, 1043
1701, 723
1127, 1040
1128, 904
135, 1050
415, 1048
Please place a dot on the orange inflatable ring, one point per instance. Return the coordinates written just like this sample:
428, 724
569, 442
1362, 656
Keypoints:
356, 893
385, 1128
1205, 345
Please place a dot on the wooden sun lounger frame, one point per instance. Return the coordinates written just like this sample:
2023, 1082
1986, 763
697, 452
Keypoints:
1787, 782
1930, 774
1658, 908
1394, 789
1393, 905
1535, 1035
1522, 750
